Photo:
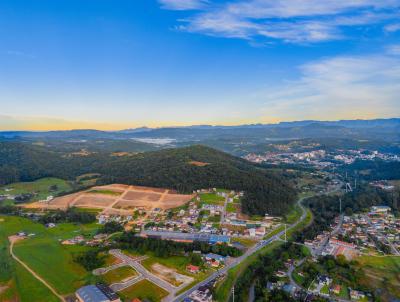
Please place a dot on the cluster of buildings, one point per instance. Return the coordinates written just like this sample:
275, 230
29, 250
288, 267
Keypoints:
186, 237
370, 230
202, 219
99, 239
360, 234
383, 185
320, 158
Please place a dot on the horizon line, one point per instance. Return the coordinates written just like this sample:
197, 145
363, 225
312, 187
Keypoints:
203, 125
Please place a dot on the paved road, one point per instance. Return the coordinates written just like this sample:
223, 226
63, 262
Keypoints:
14, 239
318, 251
260, 245
122, 285
103, 270
223, 214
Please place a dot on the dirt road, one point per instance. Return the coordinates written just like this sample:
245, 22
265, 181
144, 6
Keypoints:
14, 239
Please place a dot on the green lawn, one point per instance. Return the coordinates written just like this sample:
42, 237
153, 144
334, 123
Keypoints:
274, 232
293, 215
119, 274
39, 187
212, 198
244, 241
297, 278
231, 208
143, 290
325, 290
177, 262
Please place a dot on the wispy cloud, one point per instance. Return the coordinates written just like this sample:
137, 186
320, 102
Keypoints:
18, 53
183, 4
392, 27
340, 87
296, 21
393, 49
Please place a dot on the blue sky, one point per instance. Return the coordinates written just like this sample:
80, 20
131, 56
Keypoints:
117, 64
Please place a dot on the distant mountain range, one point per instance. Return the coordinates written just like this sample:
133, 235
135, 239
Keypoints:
226, 138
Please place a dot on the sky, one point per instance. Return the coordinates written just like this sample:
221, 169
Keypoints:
117, 64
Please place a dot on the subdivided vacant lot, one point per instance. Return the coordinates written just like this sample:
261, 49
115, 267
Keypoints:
120, 274
118, 198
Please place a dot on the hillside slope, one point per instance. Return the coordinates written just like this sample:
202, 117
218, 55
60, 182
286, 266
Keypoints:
184, 169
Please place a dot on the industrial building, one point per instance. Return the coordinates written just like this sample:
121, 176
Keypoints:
186, 237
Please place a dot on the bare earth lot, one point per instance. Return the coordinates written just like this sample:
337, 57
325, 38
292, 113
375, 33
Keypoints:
125, 199
170, 275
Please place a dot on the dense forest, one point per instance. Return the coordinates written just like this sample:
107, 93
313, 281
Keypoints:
265, 191
373, 169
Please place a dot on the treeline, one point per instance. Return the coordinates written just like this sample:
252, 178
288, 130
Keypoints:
263, 270
70, 215
90, 259
166, 248
265, 191
326, 207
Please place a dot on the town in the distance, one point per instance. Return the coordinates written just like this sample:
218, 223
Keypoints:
95, 216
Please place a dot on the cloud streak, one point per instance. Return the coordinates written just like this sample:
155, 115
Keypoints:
183, 4
292, 21
340, 87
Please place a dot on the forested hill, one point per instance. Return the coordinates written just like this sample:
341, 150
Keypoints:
184, 169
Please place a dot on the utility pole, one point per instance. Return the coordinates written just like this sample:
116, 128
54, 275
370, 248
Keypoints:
285, 233
233, 293
340, 205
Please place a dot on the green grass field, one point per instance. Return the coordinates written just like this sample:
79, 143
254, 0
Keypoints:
231, 208
244, 241
39, 187
44, 254
144, 290
119, 274
301, 225
177, 262
382, 272
22, 286
293, 215
212, 198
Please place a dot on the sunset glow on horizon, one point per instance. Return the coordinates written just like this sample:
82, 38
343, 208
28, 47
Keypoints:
112, 65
